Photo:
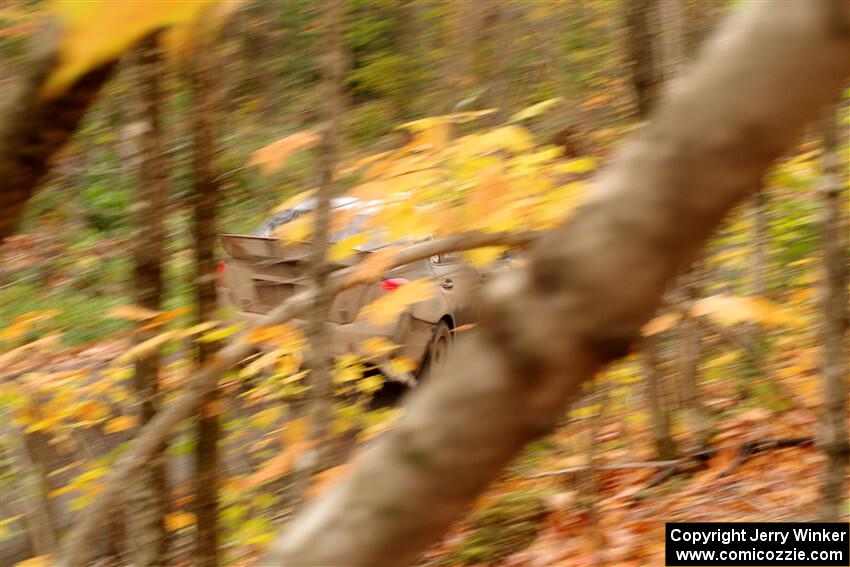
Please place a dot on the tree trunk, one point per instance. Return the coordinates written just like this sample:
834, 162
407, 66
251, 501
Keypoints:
463, 36
665, 445
204, 202
33, 129
498, 45
646, 78
697, 415
35, 493
754, 335
836, 319
643, 25
547, 328
672, 46
321, 384
147, 502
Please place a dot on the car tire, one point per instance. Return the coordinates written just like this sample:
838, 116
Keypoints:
441, 346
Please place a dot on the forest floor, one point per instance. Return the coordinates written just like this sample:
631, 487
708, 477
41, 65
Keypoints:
591, 512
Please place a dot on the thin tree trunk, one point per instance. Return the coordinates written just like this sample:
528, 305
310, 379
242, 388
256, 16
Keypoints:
204, 202
38, 513
672, 37
836, 319
758, 283
321, 384
147, 498
496, 36
646, 78
410, 40
658, 403
463, 36
643, 23
697, 415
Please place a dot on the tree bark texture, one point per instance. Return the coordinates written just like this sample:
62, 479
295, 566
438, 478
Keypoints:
146, 502
547, 328
321, 384
204, 202
658, 403
646, 76
836, 321
33, 128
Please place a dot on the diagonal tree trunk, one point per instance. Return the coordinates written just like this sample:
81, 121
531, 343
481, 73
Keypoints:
834, 326
204, 202
546, 329
33, 129
147, 502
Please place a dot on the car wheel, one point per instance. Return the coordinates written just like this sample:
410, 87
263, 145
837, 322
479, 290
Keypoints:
438, 351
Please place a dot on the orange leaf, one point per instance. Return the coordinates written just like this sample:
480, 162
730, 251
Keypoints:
274, 156
385, 309
179, 520
132, 313
660, 324
324, 479
120, 423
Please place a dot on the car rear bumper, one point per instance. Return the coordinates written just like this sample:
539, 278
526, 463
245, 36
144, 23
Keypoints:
410, 334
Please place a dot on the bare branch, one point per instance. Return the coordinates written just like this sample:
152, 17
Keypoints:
151, 436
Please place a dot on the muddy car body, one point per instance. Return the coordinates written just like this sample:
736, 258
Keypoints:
261, 272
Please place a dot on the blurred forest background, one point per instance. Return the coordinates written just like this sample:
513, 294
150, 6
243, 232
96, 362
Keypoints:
714, 417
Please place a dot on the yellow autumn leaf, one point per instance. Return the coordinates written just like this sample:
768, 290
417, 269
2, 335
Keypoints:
199, 328
295, 431
730, 310
92, 410
483, 257
660, 324
377, 346
385, 309
258, 364
38, 561
514, 139
95, 32
120, 423
274, 156
285, 336
145, 347
183, 39
164, 318
220, 334
346, 247
178, 520
373, 267
298, 230
401, 365
535, 109
579, 165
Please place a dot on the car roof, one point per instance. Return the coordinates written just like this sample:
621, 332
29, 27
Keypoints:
356, 224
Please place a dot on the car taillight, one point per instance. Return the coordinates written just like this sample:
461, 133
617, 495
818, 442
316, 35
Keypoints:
219, 272
392, 284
